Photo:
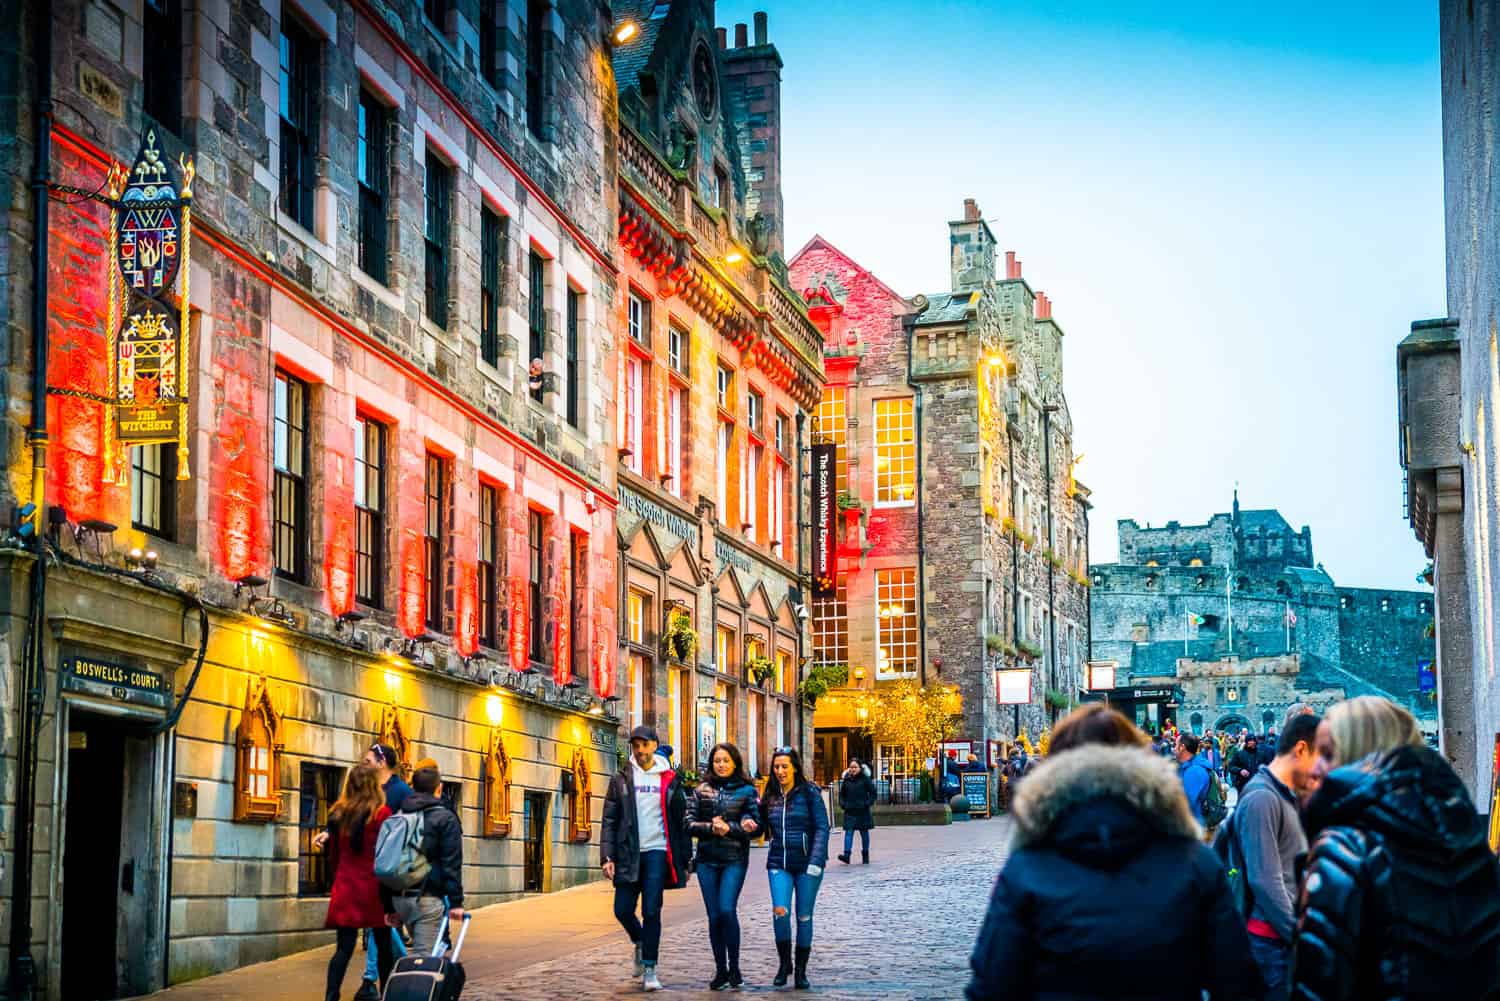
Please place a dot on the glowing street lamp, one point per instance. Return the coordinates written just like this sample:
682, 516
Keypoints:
624, 32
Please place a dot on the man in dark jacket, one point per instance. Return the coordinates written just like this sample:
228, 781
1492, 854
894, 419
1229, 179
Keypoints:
857, 800
644, 846
1244, 763
421, 908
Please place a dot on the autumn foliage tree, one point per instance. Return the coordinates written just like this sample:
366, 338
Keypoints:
915, 717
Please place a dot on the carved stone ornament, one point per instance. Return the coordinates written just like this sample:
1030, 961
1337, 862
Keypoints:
257, 772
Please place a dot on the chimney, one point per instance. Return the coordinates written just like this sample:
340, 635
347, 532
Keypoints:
741, 35
1012, 269
760, 27
1043, 306
971, 210
723, 34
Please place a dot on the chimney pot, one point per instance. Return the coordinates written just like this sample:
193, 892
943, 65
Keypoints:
760, 27
1018, 268
971, 210
1010, 264
741, 35
723, 34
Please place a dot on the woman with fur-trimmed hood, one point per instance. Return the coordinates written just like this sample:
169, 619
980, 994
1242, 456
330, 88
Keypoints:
1109, 891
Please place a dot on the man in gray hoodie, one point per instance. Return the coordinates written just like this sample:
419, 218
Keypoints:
1271, 837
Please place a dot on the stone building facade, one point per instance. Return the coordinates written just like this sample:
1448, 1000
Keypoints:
1238, 615
964, 534
393, 513
1449, 399
719, 366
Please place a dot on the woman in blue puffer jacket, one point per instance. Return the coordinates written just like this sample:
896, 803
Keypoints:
725, 809
792, 811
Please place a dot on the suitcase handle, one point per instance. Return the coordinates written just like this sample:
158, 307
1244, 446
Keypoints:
463, 930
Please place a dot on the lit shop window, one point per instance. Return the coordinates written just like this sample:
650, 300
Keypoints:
895, 453
896, 604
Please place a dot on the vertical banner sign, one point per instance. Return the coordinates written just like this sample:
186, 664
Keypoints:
149, 363
824, 568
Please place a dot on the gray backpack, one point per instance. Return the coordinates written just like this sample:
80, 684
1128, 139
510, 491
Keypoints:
399, 862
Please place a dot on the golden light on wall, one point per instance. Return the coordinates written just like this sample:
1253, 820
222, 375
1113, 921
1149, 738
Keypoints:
496, 782
579, 826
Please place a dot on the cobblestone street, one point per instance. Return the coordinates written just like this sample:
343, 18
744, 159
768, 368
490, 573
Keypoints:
901, 927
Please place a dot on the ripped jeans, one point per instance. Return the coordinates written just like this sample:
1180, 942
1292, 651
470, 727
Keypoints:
783, 886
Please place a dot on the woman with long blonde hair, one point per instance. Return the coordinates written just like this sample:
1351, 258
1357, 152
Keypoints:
1401, 897
353, 824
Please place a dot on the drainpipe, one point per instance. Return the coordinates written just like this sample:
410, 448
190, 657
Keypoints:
1047, 411
1015, 561
910, 322
801, 424
1088, 592
22, 971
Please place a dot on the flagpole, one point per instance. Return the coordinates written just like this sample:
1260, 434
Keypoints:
1229, 609
1287, 620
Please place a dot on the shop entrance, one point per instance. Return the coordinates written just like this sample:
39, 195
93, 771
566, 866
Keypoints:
111, 863
534, 819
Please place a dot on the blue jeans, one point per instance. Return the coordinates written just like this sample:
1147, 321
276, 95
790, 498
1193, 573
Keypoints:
864, 841
372, 971
1274, 958
783, 885
645, 932
721, 885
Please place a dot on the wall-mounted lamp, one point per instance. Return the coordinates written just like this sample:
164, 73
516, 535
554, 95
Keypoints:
250, 582
624, 32
98, 531
733, 257
139, 559
348, 619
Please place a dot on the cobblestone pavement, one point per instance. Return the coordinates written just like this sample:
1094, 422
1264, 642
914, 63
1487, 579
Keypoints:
899, 928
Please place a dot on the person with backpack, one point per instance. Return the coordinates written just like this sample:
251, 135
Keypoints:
1194, 776
644, 846
356, 901
420, 860
1108, 891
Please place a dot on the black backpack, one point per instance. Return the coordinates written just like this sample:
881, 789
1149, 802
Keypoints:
1227, 847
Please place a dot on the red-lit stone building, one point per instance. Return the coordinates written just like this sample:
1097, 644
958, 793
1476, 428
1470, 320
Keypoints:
719, 366
393, 503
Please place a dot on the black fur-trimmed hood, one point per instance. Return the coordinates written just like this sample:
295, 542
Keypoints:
1101, 804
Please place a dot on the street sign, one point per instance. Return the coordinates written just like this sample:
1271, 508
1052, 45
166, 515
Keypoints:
113, 681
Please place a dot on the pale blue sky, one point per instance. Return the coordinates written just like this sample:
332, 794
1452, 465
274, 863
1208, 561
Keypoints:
1236, 214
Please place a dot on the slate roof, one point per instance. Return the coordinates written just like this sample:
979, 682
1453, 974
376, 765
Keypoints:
1264, 520
946, 307
631, 58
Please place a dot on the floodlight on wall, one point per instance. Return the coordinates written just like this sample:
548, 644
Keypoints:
624, 32
348, 618
733, 257
98, 531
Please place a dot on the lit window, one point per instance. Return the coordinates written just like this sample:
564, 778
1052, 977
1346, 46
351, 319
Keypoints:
721, 461
257, 775
830, 626
724, 650
750, 501
638, 319
778, 502
153, 490
895, 452
635, 380
369, 510
785, 683
675, 411
433, 538
726, 388
637, 689
831, 424
635, 617
674, 708
896, 604
289, 448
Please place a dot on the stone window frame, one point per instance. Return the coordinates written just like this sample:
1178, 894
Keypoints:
256, 737
895, 416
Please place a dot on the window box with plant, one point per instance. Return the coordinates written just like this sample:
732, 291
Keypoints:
994, 643
1057, 699
761, 669
820, 679
1029, 651
849, 501
680, 641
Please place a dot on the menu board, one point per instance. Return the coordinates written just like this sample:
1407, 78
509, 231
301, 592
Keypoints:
977, 792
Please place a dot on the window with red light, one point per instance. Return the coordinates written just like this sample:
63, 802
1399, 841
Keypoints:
289, 492
536, 526
369, 511
434, 533
489, 555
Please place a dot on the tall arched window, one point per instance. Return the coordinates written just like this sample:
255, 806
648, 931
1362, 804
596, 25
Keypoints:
1196, 722
1267, 721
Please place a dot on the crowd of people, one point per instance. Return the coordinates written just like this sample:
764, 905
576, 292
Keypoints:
1352, 866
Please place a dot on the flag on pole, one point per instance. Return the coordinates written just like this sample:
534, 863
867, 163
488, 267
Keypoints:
1291, 616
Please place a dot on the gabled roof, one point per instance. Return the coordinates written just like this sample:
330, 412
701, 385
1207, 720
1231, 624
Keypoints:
947, 307
819, 240
631, 58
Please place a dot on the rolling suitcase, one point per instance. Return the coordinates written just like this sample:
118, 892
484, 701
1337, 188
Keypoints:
430, 978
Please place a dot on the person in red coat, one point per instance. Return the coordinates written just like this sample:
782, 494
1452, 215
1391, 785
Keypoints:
353, 825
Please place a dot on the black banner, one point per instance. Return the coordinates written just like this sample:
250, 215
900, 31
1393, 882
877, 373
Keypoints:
824, 518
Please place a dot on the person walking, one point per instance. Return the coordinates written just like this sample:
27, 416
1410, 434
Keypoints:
421, 908
1193, 774
1269, 838
792, 812
857, 800
1208, 750
1244, 763
1401, 897
355, 902
1108, 890
644, 846
723, 813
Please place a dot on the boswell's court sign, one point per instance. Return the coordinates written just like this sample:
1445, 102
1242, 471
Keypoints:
116, 682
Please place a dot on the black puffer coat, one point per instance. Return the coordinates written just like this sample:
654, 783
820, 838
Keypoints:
856, 799
734, 800
1401, 897
1109, 893
797, 824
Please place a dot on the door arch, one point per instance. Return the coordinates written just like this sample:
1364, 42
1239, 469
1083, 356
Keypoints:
1232, 723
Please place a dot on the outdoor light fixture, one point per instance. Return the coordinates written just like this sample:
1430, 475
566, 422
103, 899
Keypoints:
148, 561
733, 257
97, 530
133, 557
624, 32
348, 618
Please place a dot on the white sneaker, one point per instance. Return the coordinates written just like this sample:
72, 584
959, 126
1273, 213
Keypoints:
639, 968
649, 981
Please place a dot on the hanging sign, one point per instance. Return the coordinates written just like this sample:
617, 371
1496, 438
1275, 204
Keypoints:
147, 355
824, 515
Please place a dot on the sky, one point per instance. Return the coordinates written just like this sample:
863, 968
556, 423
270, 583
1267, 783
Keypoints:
1237, 214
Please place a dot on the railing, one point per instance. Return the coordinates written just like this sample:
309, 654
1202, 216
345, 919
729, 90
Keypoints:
647, 169
793, 321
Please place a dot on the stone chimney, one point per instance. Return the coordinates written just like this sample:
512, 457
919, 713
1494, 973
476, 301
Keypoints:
752, 84
760, 27
1012, 266
972, 249
741, 35
723, 34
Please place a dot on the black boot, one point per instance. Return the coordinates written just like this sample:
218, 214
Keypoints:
720, 980
802, 953
865, 857
844, 858
784, 951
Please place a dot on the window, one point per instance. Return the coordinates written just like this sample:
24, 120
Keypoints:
536, 65
831, 423
489, 564
674, 711
153, 490
433, 537
575, 304
437, 13
493, 232
369, 510
437, 185
778, 503
785, 683
677, 349
635, 380
724, 650
752, 733
754, 410
895, 452
372, 186
489, 42
676, 408
719, 196
535, 525
638, 318
318, 791
830, 626
299, 119
781, 436
578, 564
723, 713
721, 462
752, 491
726, 388
635, 618
637, 690
161, 71
257, 785
289, 454
536, 275
896, 602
